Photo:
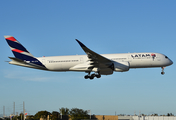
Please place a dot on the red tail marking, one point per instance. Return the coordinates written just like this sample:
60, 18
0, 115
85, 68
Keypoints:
11, 39
16, 50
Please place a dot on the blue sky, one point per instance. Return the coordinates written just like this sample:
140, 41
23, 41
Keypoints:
49, 28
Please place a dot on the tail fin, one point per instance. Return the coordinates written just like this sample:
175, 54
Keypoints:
20, 52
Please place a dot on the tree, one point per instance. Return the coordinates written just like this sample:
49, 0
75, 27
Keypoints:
41, 114
55, 115
64, 111
15, 118
6, 118
170, 114
143, 114
20, 117
155, 114
78, 114
30, 117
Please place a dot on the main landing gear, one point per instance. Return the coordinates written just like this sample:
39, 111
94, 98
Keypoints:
162, 71
92, 76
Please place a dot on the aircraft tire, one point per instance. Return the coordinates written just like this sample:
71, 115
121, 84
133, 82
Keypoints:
86, 77
162, 73
92, 76
98, 76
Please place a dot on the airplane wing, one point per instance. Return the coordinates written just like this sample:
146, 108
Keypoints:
97, 60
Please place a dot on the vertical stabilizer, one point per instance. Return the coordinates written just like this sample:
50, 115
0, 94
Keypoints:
20, 52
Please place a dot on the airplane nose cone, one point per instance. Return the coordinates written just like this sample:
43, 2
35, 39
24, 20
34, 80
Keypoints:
171, 62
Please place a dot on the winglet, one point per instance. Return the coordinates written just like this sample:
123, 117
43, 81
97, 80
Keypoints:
80, 43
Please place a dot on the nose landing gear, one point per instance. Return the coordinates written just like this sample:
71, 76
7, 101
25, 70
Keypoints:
162, 71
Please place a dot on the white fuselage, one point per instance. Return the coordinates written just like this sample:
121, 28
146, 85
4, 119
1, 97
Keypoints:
81, 62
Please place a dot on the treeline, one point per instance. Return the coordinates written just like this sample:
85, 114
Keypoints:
64, 114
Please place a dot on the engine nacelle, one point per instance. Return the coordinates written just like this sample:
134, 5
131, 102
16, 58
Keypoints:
121, 66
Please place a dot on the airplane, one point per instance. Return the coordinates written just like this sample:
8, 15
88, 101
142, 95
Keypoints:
99, 64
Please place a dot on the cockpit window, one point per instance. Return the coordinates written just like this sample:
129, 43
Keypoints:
166, 57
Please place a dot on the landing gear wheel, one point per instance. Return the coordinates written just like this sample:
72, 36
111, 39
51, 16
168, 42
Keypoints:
98, 76
87, 76
92, 76
162, 73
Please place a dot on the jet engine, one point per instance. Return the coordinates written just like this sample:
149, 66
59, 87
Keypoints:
121, 66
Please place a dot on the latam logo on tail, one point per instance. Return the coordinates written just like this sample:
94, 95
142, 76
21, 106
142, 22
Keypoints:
94, 64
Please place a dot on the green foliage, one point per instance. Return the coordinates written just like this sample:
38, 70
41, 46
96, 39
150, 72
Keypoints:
41, 114
78, 114
7, 119
170, 114
30, 117
15, 118
20, 117
55, 115
155, 114
64, 111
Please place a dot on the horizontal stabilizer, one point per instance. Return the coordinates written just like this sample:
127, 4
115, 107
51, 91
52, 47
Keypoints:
16, 61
